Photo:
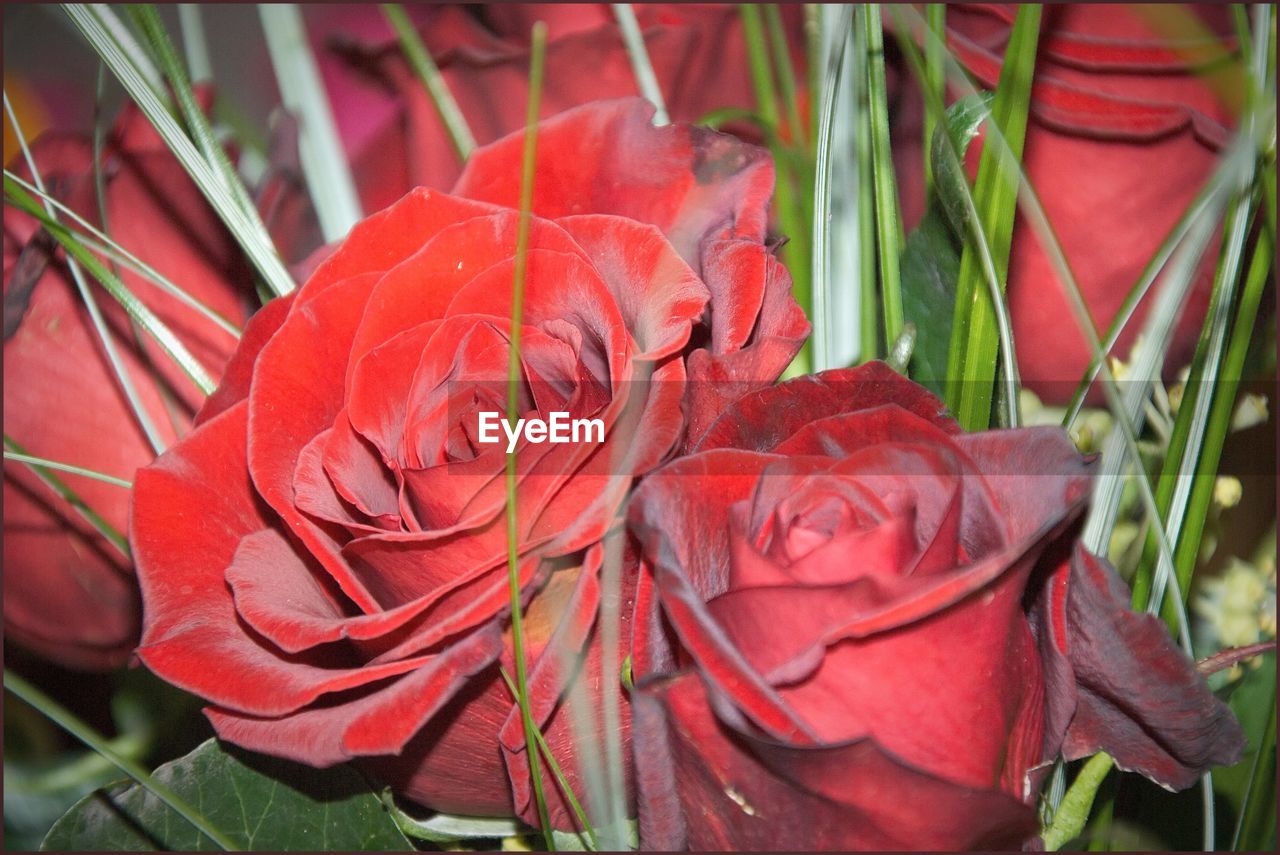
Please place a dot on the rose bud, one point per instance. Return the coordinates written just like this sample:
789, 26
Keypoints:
324, 559
1127, 123
69, 593
877, 632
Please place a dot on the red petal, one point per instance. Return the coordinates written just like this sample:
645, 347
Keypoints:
191, 508
708, 786
659, 296
297, 394
1139, 698
380, 722
608, 158
761, 420
236, 379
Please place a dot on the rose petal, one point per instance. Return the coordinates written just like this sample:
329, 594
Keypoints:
693, 184
189, 513
1139, 698
761, 420
705, 786
380, 722
296, 394
659, 296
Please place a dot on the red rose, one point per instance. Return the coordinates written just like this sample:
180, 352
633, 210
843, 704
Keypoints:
877, 633
68, 593
324, 558
698, 53
1125, 132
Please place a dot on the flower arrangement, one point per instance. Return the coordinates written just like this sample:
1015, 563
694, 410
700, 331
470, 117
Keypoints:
920, 357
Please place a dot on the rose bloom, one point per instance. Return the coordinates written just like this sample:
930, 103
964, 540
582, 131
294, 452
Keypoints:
325, 557
69, 594
863, 629
1127, 124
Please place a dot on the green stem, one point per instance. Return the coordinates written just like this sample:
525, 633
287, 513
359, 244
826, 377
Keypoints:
935, 79
416, 52
537, 59
888, 226
64, 718
1258, 809
28, 459
868, 302
557, 772
786, 73
1219, 423
1073, 813
789, 205
952, 190
69, 496
975, 334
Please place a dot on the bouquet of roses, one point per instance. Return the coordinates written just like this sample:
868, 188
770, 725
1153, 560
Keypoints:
661, 427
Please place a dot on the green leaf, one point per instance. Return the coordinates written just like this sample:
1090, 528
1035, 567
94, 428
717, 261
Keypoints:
1250, 784
931, 255
258, 802
930, 267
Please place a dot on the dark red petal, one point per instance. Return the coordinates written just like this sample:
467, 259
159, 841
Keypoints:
558, 287
314, 493
756, 329
380, 386
1092, 111
558, 627
686, 540
191, 508
359, 474
297, 394
705, 786
1035, 474
761, 420
1140, 699
608, 158
381, 241
287, 600
380, 722
659, 296
238, 375
421, 287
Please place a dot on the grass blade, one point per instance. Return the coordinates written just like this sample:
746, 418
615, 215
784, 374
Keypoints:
786, 73
420, 59
244, 224
45, 214
66, 494
795, 222
63, 717
67, 467
194, 43
868, 287
934, 79
888, 223
971, 367
537, 57
1258, 813
136, 309
958, 204
102, 243
646, 80
822, 304
324, 164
